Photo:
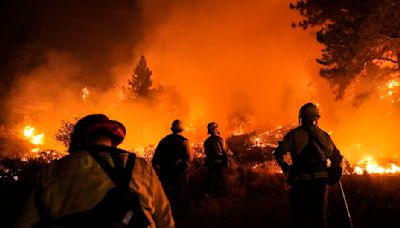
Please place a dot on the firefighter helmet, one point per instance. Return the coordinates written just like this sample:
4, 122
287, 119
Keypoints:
96, 124
211, 127
177, 126
309, 111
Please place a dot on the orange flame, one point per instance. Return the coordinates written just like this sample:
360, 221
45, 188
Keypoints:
371, 166
389, 90
36, 139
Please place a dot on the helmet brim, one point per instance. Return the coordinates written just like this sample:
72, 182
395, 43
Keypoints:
112, 128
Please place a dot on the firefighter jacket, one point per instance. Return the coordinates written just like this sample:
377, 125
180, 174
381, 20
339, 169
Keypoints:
215, 150
77, 183
173, 152
298, 142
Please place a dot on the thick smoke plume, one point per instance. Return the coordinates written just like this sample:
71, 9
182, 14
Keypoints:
70, 43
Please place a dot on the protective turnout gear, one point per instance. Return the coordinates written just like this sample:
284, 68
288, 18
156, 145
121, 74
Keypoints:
92, 125
171, 161
117, 206
309, 159
309, 175
173, 152
77, 183
216, 161
309, 111
214, 148
84, 184
177, 126
211, 127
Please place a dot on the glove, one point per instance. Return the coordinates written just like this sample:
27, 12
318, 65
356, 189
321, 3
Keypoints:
288, 171
335, 173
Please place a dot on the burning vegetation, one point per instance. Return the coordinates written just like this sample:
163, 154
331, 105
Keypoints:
252, 148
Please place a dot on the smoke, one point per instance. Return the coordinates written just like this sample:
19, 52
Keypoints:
241, 63
233, 57
233, 62
51, 50
91, 36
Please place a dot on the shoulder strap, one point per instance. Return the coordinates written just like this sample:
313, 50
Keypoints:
319, 143
130, 164
118, 175
108, 169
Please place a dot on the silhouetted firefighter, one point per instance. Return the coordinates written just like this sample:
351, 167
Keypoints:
216, 160
171, 160
97, 185
316, 164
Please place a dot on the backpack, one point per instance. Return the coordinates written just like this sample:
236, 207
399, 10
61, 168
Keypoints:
120, 207
309, 159
171, 154
317, 160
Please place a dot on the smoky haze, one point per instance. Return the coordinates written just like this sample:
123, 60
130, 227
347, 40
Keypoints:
77, 42
234, 62
229, 57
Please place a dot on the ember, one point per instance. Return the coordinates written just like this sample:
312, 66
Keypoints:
85, 93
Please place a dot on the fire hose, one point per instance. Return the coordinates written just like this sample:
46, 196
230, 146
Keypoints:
345, 204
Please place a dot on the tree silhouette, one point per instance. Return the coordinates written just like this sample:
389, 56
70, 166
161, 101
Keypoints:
63, 134
140, 82
361, 39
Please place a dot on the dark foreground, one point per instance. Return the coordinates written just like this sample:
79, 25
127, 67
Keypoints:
254, 198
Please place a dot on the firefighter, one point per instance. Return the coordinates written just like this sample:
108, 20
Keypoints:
316, 163
77, 182
216, 161
171, 161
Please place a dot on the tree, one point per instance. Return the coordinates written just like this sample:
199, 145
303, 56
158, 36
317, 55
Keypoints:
361, 39
140, 82
63, 134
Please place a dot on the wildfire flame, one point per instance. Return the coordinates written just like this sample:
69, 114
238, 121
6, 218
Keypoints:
390, 90
370, 165
238, 131
36, 139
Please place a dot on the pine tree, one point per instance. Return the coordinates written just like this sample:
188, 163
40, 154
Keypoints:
140, 82
361, 39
